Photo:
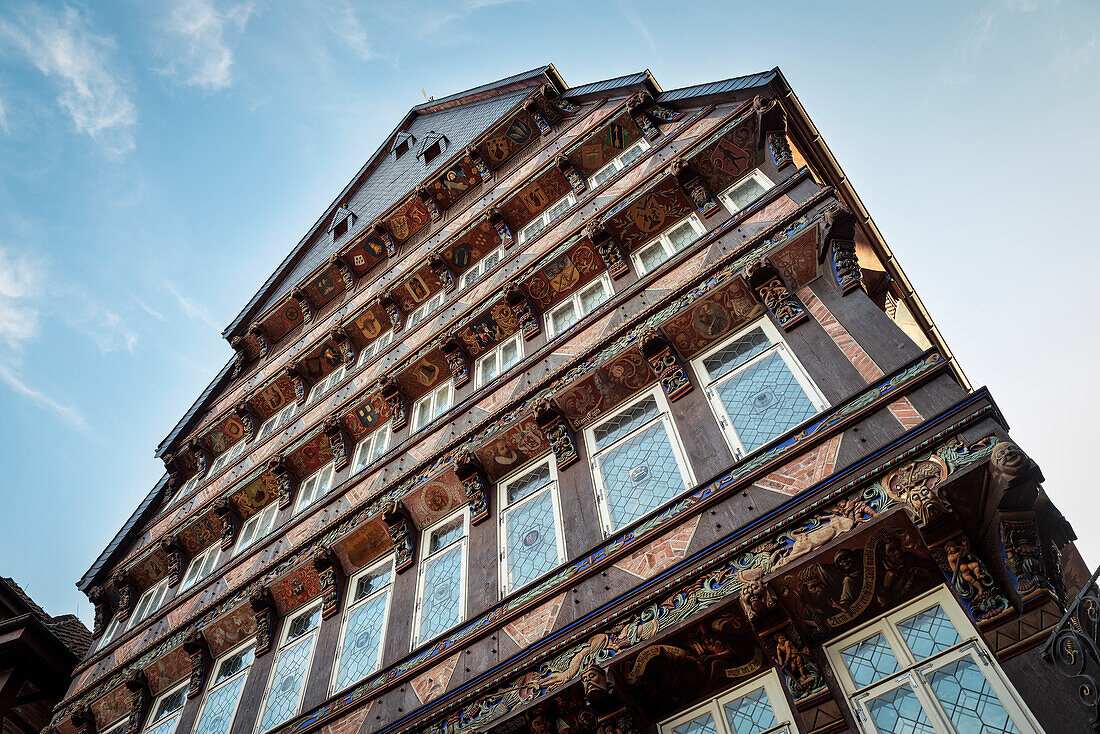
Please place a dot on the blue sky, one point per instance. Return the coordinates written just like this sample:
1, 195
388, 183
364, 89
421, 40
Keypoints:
157, 160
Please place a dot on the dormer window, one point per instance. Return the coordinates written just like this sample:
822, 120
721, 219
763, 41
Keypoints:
341, 222
431, 152
402, 143
433, 145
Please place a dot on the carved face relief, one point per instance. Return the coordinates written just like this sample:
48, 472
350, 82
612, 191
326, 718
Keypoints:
1008, 459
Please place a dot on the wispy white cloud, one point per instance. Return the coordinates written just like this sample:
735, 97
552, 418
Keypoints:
68, 413
192, 309
63, 47
195, 45
631, 14
344, 23
4, 118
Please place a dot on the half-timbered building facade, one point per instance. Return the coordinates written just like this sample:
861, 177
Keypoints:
597, 409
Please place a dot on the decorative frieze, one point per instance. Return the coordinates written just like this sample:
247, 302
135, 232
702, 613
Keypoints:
138, 687
401, 535
783, 305
779, 149
607, 248
263, 610
457, 361
338, 441
302, 300
558, 434
229, 519
524, 311
664, 361
475, 483
198, 652
284, 480
575, 179
395, 399
695, 188
326, 566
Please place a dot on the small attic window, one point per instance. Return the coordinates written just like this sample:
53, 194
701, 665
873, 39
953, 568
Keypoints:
402, 143
341, 228
431, 152
432, 145
341, 222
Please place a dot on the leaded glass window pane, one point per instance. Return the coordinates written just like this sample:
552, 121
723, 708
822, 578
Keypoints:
362, 641
899, 712
167, 726
869, 660
968, 700
625, 421
593, 296
217, 713
440, 606
701, 725
750, 714
444, 536
632, 154
235, 664
652, 255
736, 353
681, 235
746, 192
290, 671
639, 474
529, 483
928, 633
532, 539
563, 317
764, 400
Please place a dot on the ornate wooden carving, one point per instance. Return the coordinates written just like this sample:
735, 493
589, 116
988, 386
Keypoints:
138, 687
347, 275
202, 456
174, 550
338, 441
662, 357
263, 609
240, 358
227, 515
395, 399
500, 224
557, 432
524, 311
638, 107
695, 188
393, 310
783, 305
457, 361
1015, 484
401, 534
284, 480
382, 233
533, 109
969, 578
443, 272
296, 381
425, 195
575, 179
256, 329
302, 300
478, 163
325, 563
471, 473
840, 243
199, 654
101, 603
608, 249
243, 411
123, 585
83, 719
347, 346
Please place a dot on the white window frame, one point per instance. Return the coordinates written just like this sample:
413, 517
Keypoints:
369, 445
272, 510
463, 568
114, 628
474, 273
431, 399
309, 491
353, 604
494, 354
573, 302
326, 384
678, 451
183, 491
178, 713
215, 687
157, 591
970, 645
544, 219
778, 344
665, 243
227, 457
429, 306
372, 350
314, 633
505, 506
199, 562
277, 420
726, 197
116, 727
617, 164
773, 689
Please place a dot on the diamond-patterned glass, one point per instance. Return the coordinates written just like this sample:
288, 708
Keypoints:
217, 712
869, 660
624, 422
167, 726
702, 725
235, 664
532, 548
593, 296
372, 582
736, 353
652, 255
286, 684
968, 700
681, 235
439, 609
362, 641
746, 192
750, 714
528, 483
899, 712
563, 317
928, 633
443, 536
639, 474
764, 400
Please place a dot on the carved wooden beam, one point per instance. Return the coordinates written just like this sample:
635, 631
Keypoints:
194, 645
302, 300
137, 685
240, 358
478, 163
202, 456
557, 432
256, 329
425, 195
380, 231
457, 361
328, 572
347, 275
172, 548
607, 248
401, 534
230, 521
663, 359
533, 109
243, 411
344, 342
297, 382
395, 399
284, 479
442, 271
500, 224
83, 719
695, 188
524, 311
393, 310
839, 241
337, 441
263, 609
575, 179
783, 305
123, 585
638, 107
475, 483
101, 602
773, 130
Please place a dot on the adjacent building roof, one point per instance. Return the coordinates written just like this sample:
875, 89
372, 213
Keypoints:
67, 628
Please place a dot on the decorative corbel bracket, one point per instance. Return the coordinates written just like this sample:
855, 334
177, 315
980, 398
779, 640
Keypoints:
172, 548
773, 130
227, 515
525, 312
840, 241
425, 195
202, 456
607, 248
971, 580
383, 234
83, 719
638, 107
123, 584
347, 275
302, 300
137, 685
328, 572
475, 483
346, 345
554, 426
783, 305
393, 310
240, 358
256, 329
439, 267
244, 414
337, 441
478, 163
457, 361
400, 526
1015, 484
694, 187
395, 399
500, 224
575, 179
194, 645
532, 108
101, 602
560, 103
664, 361
295, 374
284, 480
263, 609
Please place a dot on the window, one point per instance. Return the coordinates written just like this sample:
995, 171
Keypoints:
185, 489
283, 697
432, 405
277, 421
227, 457
166, 711
315, 487
441, 592
118, 727
360, 651
923, 668
752, 708
431, 152
402, 148
618, 163
481, 267
429, 306
371, 448
112, 631
667, 244
201, 566
581, 303
499, 359
637, 460
257, 527
326, 384
530, 525
375, 348
341, 228
745, 190
148, 603
220, 706
756, 387
549, 214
